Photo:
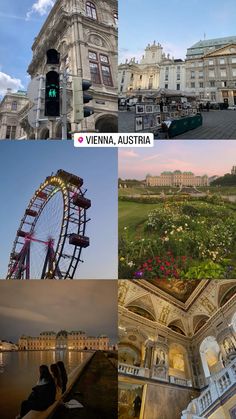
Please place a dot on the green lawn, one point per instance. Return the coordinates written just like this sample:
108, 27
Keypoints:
133, 215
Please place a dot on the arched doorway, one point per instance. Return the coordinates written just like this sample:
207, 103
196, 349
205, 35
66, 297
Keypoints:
107, 123
129, 354
178, 362
210, 356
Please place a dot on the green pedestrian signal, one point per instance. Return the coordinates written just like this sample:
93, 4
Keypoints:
52, 94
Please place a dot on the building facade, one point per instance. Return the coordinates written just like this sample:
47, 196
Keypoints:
177, 349
177, 178
155, 70
63, 340
211, 70
85, 35
10, 108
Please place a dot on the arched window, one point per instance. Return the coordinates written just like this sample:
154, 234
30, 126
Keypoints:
91, 10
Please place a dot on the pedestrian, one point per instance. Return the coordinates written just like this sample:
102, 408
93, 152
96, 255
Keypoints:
137, 405
42, 395
208, 106
56, 373
64, 377
161, 105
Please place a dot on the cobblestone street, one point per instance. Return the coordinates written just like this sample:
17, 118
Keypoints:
219, 125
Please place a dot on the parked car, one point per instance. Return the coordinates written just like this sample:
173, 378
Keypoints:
232, 108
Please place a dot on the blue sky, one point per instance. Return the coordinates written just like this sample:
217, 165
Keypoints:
20, 22
24, 165
176, 24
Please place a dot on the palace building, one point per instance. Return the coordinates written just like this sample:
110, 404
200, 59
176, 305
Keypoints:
177, 178
10, 108
177, 349
85, 35
63, 340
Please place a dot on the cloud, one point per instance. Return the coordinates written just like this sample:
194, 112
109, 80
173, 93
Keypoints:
128, 154
126, 54
176, 51
40, 7
7, 81
23, 314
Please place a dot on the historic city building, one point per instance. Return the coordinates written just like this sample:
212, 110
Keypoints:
211, 70
85, 35
177, 178
177, 349
155, 70
74, 340
10, 108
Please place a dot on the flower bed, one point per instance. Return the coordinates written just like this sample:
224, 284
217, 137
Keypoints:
197, 238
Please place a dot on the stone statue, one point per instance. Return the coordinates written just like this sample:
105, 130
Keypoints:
161, 358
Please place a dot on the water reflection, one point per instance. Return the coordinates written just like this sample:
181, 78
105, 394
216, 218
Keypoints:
1, 363
19, 373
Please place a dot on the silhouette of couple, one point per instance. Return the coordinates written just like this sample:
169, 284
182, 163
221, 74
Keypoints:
49, 388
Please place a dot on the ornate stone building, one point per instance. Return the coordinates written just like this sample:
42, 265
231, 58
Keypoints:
177, 349
155, 70
177, 178
74, 340
10, 107
211, 69
85, 34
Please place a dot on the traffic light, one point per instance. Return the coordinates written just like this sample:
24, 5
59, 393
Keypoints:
86, 84
81, 97
52, 94
53, 56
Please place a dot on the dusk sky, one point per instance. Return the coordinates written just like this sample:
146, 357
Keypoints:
20, 22
24, 165
176, 24
33, 307
210, 157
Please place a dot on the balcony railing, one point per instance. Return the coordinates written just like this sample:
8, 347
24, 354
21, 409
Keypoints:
180, 381
153, 374
220, 383
131, 370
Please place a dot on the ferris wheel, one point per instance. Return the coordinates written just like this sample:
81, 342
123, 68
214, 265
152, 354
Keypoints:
51, 235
